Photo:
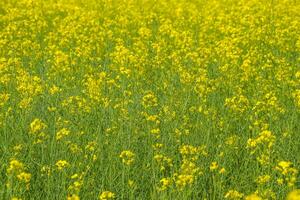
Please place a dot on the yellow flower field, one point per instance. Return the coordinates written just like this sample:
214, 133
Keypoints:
148, 99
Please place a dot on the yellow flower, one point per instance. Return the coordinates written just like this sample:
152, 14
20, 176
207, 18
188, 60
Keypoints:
25, 177
294, 195
74, 176
73, 197
155, 132
46, 170
16, 198
127, 157
61, 164
51, 108
253, 197
106, 195
288, 173
37, 125
280, 181
263, 179
62, 133
163, 161
213, 166
184, 180
284, 164
4, 98
233, 194
222, 170
54, 89
165, 183
131, 183
149, 100
15, 166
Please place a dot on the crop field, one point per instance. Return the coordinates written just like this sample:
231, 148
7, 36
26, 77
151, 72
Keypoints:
149, 99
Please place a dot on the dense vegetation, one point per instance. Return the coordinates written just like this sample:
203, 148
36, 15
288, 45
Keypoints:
148, 99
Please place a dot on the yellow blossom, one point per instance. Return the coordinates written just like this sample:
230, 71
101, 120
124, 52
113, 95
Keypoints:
127, 157
294, 195
61, 164
106, 195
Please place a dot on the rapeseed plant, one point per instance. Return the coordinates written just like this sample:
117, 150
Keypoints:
144, 99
